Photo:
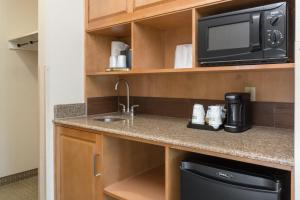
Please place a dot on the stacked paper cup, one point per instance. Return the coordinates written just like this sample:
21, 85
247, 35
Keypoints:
198, 114
116, 59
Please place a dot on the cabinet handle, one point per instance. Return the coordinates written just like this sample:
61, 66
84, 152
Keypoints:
96, 174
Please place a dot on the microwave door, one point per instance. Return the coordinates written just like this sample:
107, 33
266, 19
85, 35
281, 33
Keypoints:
230, 38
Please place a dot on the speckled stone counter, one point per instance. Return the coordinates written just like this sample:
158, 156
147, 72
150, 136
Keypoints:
271, 145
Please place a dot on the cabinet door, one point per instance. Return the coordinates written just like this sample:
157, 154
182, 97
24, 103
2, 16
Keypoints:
103, 8
79, 166
141, 3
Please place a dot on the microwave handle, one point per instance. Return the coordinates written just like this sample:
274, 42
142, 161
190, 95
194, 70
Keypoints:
255, 39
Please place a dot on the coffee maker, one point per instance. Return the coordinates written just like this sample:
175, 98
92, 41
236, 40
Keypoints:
238, 112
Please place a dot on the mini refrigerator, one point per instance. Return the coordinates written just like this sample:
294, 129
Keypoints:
210, 182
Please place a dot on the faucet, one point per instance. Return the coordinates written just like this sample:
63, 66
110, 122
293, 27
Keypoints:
125, 110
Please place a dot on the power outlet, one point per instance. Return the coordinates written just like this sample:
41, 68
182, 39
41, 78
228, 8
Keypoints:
252, 91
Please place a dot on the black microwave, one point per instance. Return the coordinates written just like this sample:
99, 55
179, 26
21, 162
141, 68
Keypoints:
255, 35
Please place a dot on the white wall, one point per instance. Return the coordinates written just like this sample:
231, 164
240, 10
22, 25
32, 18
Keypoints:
18, 90
61, 28
297, 104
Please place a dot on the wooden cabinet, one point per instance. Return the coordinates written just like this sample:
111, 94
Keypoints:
102, 14
131, 168
105, 13
78, 165
104, 8
141, 3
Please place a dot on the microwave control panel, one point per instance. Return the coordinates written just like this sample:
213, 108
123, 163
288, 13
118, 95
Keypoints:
275, 38
275, 26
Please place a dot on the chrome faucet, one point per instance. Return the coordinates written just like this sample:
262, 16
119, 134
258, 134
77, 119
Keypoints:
126, 109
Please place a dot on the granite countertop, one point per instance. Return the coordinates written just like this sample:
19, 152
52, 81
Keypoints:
272, 145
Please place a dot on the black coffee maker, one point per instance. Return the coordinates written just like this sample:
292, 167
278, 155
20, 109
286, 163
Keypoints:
238, 112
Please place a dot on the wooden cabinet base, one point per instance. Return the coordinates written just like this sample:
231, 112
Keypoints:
78, 165
100, 166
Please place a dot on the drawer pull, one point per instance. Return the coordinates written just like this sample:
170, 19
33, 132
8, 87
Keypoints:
96, 174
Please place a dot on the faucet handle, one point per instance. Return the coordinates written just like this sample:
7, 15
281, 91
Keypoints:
133, 107
123, 107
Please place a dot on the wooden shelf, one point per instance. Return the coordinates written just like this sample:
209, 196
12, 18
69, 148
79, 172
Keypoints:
284, 66
146, 186
121, 30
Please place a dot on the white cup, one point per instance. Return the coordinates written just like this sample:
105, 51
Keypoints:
198, 114
113, 61
215, 116
117, 47
121, 62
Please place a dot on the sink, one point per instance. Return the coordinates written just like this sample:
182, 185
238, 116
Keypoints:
109, 119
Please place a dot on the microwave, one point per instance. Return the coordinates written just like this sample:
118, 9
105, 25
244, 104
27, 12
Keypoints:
250, 36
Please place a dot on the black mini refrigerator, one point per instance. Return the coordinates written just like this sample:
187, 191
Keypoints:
204, 182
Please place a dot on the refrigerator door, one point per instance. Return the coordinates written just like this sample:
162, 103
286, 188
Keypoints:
194, 186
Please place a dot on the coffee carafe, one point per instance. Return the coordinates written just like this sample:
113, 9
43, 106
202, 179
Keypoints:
238, 112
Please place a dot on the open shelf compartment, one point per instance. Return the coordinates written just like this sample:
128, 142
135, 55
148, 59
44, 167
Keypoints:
174, 158
133, 170
145, 186
155, 40
98, 46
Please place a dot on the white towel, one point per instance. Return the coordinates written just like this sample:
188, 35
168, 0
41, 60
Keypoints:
183, 56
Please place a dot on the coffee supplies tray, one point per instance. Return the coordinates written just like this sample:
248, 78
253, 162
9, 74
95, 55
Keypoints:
117, 69
203, 127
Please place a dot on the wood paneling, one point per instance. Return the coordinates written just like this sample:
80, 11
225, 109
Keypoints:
173, 161
149, 52
142, 3
100, 86
169, 21
104, 8
99, 105
172, 38
273, 86
195, 43
293, 189
120, 30
97, 52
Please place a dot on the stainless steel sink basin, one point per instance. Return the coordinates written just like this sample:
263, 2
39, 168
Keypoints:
109, 119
